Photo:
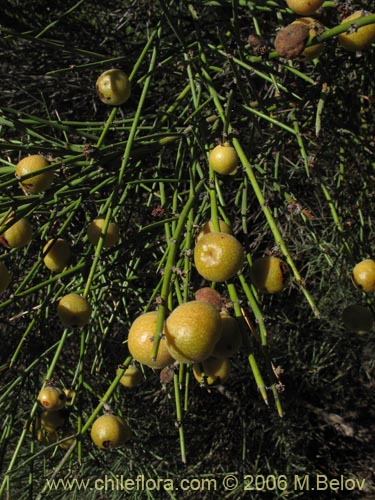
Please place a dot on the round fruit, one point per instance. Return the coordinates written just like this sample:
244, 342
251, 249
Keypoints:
358, 318
38, 183
94, 231
212, 371
314, 28
209, 228
231, 338
363, 275
192, 330
52, 420
57, 256
74, 310
4, 277
357, 39
51, 398
223, 159
110, 431
269, 274
18, 235
113, 87
218, 256
141, 342
131, 377
209, 295
304, 7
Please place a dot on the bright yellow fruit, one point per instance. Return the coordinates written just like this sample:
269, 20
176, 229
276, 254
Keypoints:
192, 330
315, 27
212, 371
111, 237
113, 87
51, 398
218, 256
4, 277
74, 310
57, 256
223, 159
39, 182
18, 235
110, 431
304, 7
363, 275
131, 377
269, 274
141, 342
231, 338
357, 318
357, 39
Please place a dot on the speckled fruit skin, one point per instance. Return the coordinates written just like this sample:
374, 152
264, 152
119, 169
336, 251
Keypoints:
314, 50
357, 318
359, 39
39, 182
74, 310
141, 342
95, 229
113, 87
51, 398
268, 274
231, 339
131, 377
18, 234
4, 277
212, 371
110, 431
57, 256
223, 159
208, 227
218, 256
363, 275
192, 330
304, 7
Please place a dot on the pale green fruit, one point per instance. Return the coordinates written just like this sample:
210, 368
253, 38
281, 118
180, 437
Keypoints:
218, 256
57, 256
39, 182
74, 310
110, 431
113, 87
18, 234
141, 342
111, 236
192, 331
131, 377
357, 318
223, 159
269, 274
212, 371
